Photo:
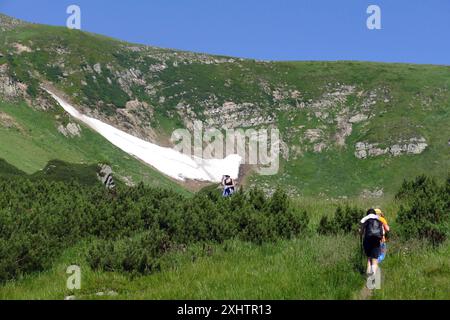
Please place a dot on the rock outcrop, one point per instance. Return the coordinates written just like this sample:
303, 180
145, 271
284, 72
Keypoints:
9, 23
71, 130
376, 193
414, 145
8, 122
104, 174
9, 88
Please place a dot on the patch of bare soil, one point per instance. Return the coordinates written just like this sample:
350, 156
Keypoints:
364, 294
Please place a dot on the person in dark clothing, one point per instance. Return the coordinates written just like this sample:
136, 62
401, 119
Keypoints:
228, 186
372, 234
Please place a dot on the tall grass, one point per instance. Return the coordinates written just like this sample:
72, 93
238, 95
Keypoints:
309, 268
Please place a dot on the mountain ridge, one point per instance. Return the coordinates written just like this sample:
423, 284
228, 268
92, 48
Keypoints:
334, 117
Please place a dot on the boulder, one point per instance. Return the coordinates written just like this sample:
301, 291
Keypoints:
98, 68
71, 130
318, 148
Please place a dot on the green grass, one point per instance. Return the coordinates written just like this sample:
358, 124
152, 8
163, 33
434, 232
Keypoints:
320, 267
314, 268
39, 142
416, 271
7, 169
58, 170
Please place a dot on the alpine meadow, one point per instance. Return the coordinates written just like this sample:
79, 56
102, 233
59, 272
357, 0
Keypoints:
353, 136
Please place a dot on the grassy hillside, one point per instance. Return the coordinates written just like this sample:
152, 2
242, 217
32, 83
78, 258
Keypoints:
7, 169
323, 109
146, 243
33, 140
417, 104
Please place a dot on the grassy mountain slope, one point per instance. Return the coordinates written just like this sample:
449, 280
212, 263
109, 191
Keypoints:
33, 139
7, 169
323, 109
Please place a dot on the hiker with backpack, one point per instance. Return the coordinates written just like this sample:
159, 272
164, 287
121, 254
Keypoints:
228, 186
372, 235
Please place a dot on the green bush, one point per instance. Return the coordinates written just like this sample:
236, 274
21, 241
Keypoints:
139, 254
40, 217
345, 220
425, 211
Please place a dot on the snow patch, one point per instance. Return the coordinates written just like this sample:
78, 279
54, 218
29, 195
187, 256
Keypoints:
166, 160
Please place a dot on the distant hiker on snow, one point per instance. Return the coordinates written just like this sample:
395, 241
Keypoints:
228, 186
373, 230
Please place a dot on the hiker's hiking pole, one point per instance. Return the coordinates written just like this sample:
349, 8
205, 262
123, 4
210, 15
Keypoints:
361, 251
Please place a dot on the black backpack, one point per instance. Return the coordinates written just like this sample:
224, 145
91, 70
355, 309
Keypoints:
373, 229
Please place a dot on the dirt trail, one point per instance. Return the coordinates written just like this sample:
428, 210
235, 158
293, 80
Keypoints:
364, 294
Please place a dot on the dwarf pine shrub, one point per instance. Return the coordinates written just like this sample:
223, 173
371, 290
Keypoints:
425, 211
133, 226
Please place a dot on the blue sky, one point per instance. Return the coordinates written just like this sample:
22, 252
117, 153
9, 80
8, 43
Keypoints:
416, 31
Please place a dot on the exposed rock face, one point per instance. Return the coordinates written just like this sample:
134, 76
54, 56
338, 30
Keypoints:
313, 134
105, 176
333, 97
71, 130
361, 150
284, 149
10, 89
8, 122
335, 101
344, 129
232, 115
318, 148
21, 48
9, 23
135, 119
358, 118
158, 67
97, 68
129, 77
377, 193
412, 146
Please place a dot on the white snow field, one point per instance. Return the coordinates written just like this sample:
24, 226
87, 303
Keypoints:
166, 160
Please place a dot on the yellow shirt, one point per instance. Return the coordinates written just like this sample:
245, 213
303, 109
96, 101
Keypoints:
384, 222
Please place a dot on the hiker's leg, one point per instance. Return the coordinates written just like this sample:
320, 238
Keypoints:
369, 266
374, 266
